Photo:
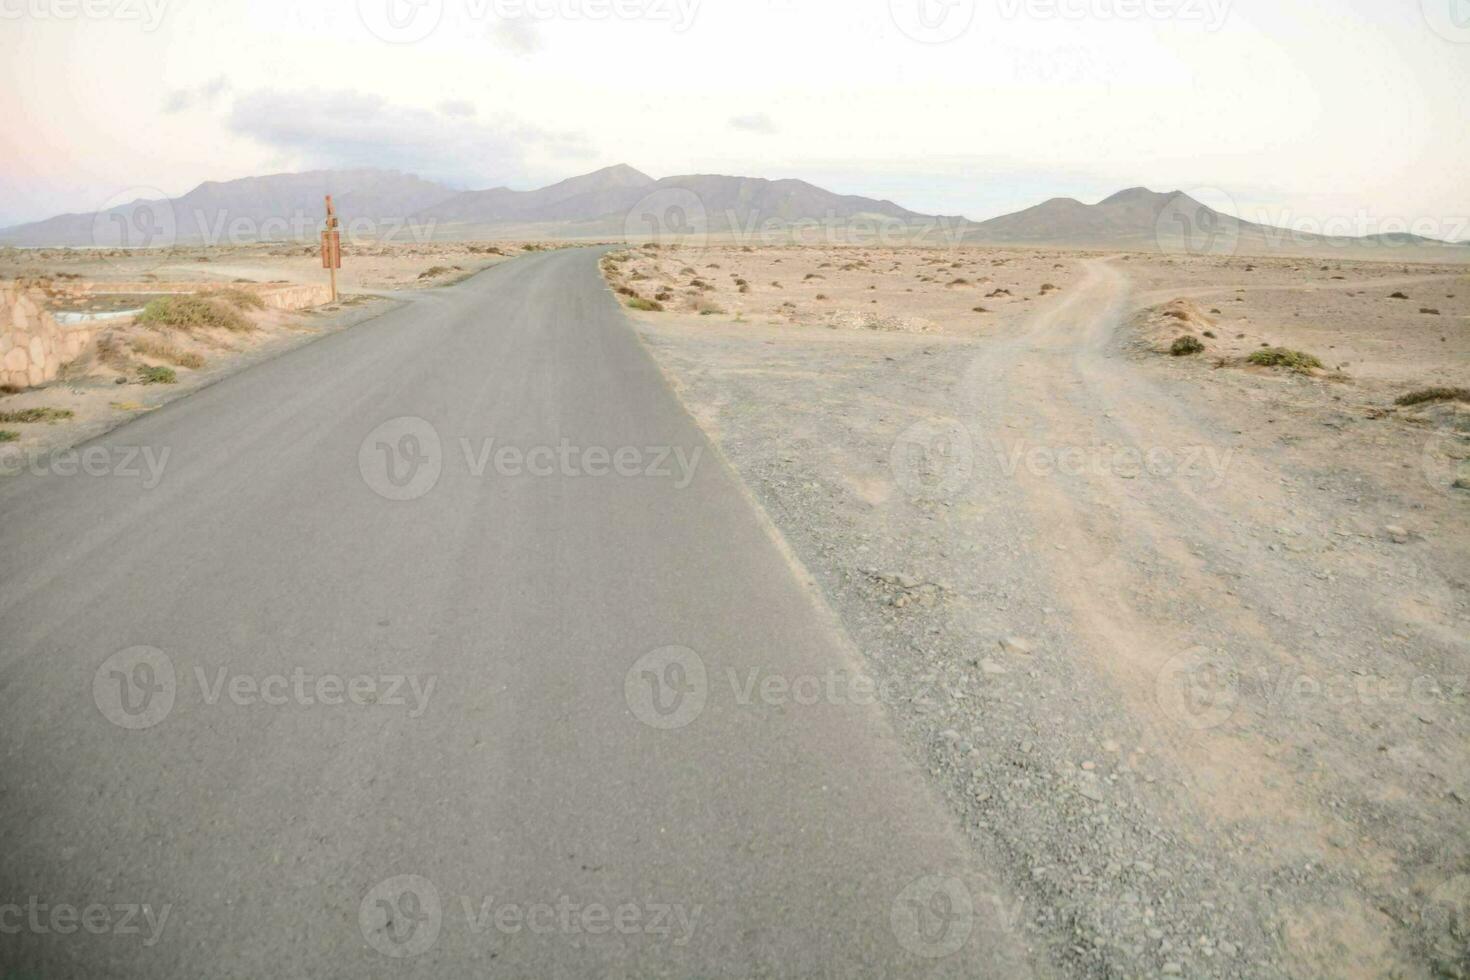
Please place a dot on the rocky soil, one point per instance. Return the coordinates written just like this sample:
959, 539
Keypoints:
1184, 642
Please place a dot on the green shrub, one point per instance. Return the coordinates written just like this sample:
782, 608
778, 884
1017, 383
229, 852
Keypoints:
36, 415
652, 306
1186, 345
192, 313
6, 435
1419, 397
1295, 360
157, 376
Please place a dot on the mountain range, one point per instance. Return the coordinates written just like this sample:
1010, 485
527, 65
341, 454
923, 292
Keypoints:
621, 202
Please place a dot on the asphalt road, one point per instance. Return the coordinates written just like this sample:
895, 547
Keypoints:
447, 646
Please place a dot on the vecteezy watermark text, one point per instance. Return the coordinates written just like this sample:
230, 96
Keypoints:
136, 688
148, 13
143, 463
403, 459
403, 916
97, 918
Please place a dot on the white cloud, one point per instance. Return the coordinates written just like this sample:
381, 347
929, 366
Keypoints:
756, 123
346, 128
200, 96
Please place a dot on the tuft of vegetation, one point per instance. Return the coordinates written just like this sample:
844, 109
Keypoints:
241, 299
1426, 395
648, 305
434, 271
157, 376
192, 313
26, 415
1295, 360
8, 435
164, 351
1186, 345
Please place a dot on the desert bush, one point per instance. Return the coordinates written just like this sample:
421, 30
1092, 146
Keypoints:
650, 305
241, 299
1186, 345
192, 313
164, 351
1295, 360
1426, 395
8, 435
25, 415
434, 271
157, 376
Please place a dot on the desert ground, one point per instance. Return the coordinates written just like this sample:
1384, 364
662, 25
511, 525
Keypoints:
110, 383
1183, 639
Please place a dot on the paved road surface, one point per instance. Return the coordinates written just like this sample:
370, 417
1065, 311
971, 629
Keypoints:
339, 695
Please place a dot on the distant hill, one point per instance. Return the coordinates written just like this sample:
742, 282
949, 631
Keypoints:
603, 203
251, 208
371, 203
1145, 220
620, 202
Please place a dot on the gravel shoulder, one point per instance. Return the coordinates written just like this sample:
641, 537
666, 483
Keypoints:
1182, 643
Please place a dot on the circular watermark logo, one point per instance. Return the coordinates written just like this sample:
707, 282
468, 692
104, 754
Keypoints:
1192, 223
400, 21
1198, 688
933, 459
668, 216
1450, 19
400, 917
1445, 459
135, 688
933, 916
667, 688
402, 458
932, 21
135, 217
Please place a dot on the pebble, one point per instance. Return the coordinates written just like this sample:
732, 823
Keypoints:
1398, 534
1015, 644
988, 666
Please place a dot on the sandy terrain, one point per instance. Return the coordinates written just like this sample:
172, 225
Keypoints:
103, 389
1183, 640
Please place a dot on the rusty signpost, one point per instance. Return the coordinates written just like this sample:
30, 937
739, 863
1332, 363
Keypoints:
332, 246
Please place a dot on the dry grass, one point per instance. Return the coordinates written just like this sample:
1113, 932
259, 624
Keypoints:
162, 350
241, 299
26, 415
1426, 395
157, 376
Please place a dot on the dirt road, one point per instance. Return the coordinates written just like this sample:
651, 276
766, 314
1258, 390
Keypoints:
1165, 656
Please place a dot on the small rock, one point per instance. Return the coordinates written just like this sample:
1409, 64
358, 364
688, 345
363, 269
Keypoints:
1088, 766
1015, 644
988, 666
1398, 534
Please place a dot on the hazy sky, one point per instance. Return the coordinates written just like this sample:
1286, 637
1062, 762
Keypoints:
1290, 109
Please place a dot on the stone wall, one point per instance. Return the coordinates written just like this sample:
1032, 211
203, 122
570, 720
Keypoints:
33, 346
